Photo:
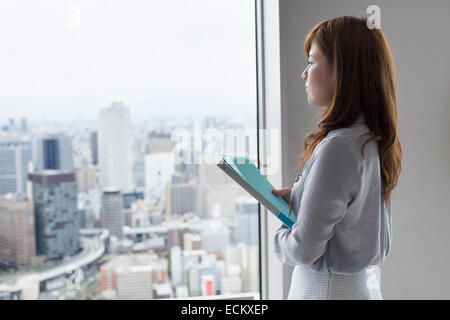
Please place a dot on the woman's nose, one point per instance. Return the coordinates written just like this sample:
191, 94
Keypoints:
304, 74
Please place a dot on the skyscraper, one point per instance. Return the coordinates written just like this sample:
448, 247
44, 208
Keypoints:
53, 152
176, 266
114, 146
158, 172
14, 158
111, 212
23, 125
247, 220
94, 147
17, 237
57, 218
182, 198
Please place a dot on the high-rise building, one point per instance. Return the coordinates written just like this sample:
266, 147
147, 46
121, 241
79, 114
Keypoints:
17, 235
23, 125
14, 159
247, 227
87, 179
215, 239
12, 124
190, 259
133, 276
52, 152
158, 172
114, 147
247, 258
111, 212
182, 198
175, 237
176, 266
94, 147
251, 273
139, 171
57, 218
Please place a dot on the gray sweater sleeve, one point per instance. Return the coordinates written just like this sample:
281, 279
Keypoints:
332, 182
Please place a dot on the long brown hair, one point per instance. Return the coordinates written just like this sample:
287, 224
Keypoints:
365, 81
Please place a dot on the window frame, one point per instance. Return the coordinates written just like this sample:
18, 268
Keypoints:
271, 102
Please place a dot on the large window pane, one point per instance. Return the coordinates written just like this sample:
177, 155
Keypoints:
113, 113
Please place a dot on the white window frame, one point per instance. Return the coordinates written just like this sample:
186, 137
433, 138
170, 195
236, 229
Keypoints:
272, 110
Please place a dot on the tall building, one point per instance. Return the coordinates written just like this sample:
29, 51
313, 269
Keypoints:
247, 228
215, 239
14, 158
189, 259
175, 237
133, 276
87, 179
52, 152
111, 212
159, 168
114, 147
17, 235
182, 198
176, 266
139, 171
94, 147
251, 273
57, 218
23, 125
247, 258
12, 124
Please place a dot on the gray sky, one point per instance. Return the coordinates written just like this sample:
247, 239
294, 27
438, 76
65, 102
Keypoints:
176, 57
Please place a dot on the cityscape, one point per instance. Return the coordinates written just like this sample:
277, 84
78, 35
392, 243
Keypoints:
115, 208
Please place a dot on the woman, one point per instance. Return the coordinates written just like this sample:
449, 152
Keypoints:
351, 165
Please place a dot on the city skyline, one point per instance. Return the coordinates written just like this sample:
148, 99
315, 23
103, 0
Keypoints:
194, 207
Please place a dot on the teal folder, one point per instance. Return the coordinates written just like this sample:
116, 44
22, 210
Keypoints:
247, 175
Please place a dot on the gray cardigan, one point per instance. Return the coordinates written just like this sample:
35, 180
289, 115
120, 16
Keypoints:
342, 225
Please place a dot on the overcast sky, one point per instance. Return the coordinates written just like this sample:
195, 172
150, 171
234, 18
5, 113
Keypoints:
66, 59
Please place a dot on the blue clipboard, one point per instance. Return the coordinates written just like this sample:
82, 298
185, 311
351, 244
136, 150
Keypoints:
247, 175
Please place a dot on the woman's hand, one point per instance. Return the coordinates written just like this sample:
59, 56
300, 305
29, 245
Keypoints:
285, 193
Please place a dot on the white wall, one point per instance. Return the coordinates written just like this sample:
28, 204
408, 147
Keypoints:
418, 264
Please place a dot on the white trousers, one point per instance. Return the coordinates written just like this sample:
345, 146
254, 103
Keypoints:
308, 284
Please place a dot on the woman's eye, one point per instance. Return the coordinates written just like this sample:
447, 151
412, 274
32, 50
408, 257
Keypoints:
309, 62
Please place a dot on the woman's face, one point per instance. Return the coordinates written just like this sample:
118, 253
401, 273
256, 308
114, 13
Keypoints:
319, 78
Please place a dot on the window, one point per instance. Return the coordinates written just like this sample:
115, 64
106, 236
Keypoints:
124, 105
